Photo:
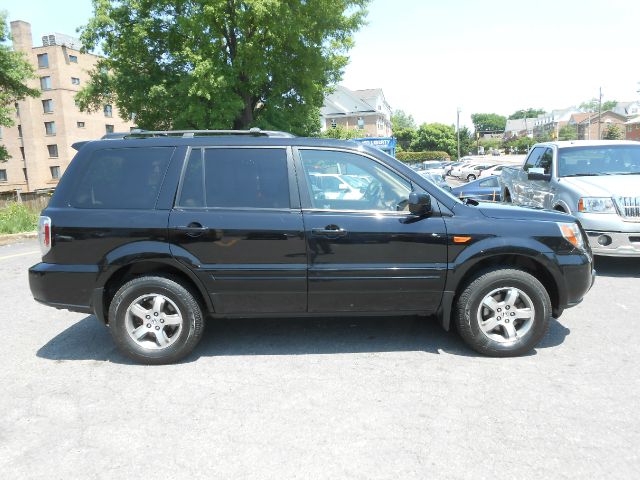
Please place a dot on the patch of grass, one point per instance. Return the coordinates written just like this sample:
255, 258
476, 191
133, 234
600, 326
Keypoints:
17, 218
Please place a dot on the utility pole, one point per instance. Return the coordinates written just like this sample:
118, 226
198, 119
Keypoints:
599, 113
458, 130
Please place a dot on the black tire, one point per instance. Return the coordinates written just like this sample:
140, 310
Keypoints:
471, 177
188, 330
467, 312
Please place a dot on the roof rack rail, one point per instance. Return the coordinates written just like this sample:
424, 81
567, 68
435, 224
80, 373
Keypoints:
254, 132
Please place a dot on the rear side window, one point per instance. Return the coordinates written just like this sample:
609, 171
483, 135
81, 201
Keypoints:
122, 178
236, 178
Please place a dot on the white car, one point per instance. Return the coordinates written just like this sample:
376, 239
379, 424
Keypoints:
335, 186
471, 172
436, 168
496, 170
457, 170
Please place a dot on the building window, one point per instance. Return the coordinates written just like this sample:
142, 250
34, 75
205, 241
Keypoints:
17, 106
47, 106
55, 172
108, 111
22, 153
75, 80
80, 124
3, 175
43, 60
26, 177
50, 128
109, 128
53, 151
360, 123
45, 83
19, 131
73, 58
333, 123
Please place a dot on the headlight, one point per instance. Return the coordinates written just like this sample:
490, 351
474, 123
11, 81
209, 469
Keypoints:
596, 205
571, 232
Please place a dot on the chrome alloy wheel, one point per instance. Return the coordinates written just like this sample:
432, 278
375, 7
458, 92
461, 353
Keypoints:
506, 314
153, 321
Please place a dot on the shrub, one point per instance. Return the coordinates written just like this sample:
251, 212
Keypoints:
16, 218
415, 157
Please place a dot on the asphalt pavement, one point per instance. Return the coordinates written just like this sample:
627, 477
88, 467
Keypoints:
361, 398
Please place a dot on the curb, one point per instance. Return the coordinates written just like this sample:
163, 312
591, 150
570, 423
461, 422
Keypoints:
10, 238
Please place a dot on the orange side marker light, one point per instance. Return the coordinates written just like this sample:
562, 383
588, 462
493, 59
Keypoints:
457, 239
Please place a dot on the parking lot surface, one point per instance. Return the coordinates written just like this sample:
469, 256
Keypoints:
362, 398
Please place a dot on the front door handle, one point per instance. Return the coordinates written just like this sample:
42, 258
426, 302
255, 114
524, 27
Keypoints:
194, 229
330, 231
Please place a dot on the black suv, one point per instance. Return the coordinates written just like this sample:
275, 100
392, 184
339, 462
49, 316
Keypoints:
153, 232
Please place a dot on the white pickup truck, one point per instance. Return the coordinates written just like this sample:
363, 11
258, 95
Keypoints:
596, 181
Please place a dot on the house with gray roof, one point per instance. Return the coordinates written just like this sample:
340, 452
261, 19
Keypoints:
366, 110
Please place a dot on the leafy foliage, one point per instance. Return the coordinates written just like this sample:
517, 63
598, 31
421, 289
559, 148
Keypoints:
528, 113
14, 72
568, 132
592, 105
613, 132
342, 133
219, 63
488, 122
17, 218
415, 157
400, 120
404, 136
435, 136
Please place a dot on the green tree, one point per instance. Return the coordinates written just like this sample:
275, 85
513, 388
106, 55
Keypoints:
488, 122
466, 142
568, 132
404, 136
592, 105
15, 70
342, 133
435, 136
528, 113
219, 63
613, 132
400, 120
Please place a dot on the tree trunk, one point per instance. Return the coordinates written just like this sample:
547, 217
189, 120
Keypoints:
245, 119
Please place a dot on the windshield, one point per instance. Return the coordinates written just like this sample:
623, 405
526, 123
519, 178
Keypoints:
599, 160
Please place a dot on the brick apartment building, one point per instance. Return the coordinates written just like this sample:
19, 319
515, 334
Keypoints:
46, 127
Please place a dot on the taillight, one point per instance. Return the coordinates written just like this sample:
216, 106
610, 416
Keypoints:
44, 234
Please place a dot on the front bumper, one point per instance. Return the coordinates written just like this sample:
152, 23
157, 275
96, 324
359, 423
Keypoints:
614, 244
577, 276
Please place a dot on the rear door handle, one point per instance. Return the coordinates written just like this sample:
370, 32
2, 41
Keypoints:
194, 229
330, 231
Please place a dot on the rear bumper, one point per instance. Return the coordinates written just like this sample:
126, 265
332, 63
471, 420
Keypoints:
67, 287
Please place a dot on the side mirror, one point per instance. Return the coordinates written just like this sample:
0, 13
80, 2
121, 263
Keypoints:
419, 203
538, 174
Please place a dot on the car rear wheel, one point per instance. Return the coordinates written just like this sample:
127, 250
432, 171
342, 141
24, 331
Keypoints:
155, 320
471, 177
503, 313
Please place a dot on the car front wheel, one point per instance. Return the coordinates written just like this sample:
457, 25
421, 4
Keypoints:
155, 320
503, 312
471, 177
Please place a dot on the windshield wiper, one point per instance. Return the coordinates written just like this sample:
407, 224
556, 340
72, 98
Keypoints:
583, 175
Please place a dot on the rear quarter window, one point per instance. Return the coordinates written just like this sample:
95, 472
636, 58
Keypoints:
122, 178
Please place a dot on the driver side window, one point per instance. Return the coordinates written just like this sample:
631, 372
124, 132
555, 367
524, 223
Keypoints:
348, 181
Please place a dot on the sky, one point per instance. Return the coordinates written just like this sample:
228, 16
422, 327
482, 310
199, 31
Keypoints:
432, 57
